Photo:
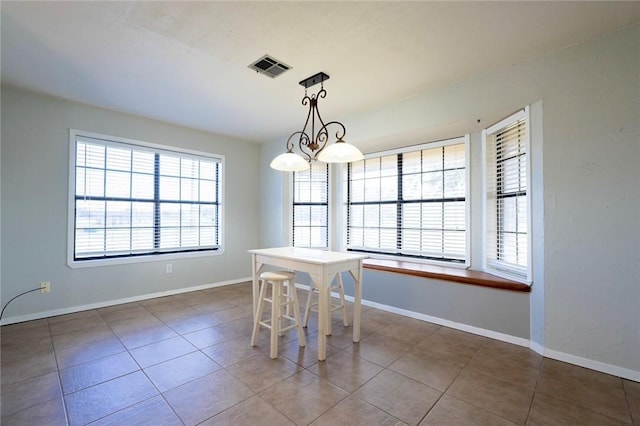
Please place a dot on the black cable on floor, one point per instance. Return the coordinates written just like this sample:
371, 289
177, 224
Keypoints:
21, 294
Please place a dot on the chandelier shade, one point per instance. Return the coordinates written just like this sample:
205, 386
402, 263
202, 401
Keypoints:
314, 145
289, 162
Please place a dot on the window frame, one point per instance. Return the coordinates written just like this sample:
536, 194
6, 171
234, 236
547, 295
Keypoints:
74, 262
495, 266
465, 140
293, 203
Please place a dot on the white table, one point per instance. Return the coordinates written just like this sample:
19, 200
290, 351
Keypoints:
322, 266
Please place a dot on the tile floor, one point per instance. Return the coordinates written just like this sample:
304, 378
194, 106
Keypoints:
186, 359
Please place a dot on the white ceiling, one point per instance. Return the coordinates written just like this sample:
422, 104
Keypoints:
186, 62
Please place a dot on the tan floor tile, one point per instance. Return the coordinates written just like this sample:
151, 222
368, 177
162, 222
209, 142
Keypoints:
207, 396
241, 326
92, 373
234, 313
254, 411
178, 371
199, 343
505, 399
23, 327
452, 346
210, 306
409, 335
153, 411
585, 388
231, 351
76, 324
507, 362
303, 397
211, 335
90, 313
106, 398
82, 337
548, 411
123, 312
25, 394
168, 303
305, 356
89, 351
164, 350
354, 411
399, 396
433, 372
379, 349
50, 413
346, 370
632, 389
450, 411
261, 372
341, 336
16, 345
140, 337
29, 366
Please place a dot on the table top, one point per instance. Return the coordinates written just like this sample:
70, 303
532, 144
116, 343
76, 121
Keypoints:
317, 256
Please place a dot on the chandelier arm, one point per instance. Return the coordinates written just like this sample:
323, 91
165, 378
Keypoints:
323, 135
302, 141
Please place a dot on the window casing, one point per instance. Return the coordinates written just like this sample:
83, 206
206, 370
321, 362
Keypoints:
411, 202
310, 207
507, 212
130, 199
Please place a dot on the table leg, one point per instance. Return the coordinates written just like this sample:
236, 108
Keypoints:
255, 271
357, 302
321, 283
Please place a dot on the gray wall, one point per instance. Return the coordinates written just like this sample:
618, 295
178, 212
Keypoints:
585, 304
35, 167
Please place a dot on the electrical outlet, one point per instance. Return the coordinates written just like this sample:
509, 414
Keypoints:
168, 268
45, 287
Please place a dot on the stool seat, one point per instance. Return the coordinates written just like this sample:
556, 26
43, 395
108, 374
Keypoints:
278, 275
281, 302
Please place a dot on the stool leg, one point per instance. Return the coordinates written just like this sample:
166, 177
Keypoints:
305, 322
260, 310
345, 319
329, 312
276, 292
296, 314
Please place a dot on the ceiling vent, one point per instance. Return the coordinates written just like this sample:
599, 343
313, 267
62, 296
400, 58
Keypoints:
269, 66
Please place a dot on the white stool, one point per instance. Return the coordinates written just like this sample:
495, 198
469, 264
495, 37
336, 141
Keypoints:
278, 300
332, 307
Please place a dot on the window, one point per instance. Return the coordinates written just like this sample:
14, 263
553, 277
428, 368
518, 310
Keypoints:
130, 199
410, 202
310, 226
506, 203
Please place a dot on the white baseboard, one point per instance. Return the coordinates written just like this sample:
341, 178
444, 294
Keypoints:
73, 309
614, 370
448, 323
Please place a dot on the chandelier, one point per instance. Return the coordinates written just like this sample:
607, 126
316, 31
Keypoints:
313, 145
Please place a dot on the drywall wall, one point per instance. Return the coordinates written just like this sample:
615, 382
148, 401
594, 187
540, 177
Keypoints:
35, 168
585, 304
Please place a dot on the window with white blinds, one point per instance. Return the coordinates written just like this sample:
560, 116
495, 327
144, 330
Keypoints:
506, 204
410, 202
310, 223
132, 199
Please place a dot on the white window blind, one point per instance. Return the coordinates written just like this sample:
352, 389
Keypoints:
131, 200
410, 202
310, 210
507, 235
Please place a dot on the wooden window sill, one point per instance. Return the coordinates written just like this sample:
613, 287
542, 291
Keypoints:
464, 276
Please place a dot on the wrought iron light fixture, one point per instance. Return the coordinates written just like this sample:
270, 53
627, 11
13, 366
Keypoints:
313, 145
